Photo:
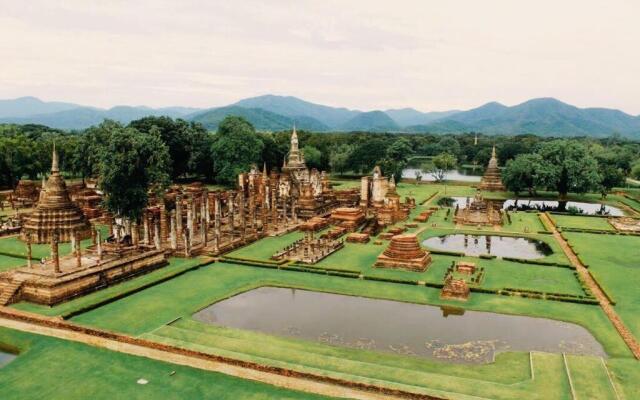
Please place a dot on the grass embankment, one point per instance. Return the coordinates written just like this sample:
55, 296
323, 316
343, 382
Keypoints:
50, 368
613, 261
582, 222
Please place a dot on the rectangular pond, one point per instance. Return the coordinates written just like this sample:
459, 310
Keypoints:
392, 326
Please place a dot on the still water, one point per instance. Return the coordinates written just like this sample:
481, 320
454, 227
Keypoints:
460, 174
391, 326
548, 205
499, 246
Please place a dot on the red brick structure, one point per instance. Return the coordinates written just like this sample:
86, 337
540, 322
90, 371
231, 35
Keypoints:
404, 252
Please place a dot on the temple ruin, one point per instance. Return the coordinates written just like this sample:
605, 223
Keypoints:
55, 212
404, 252
492, 180
478, 212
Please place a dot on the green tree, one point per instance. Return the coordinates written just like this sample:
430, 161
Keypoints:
367, 154
235, 148
131, 163
312, 157
440, 164
571, 168
521, 173
189, 143
339, 158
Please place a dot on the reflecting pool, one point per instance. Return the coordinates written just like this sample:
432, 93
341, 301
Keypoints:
499, 246
576, 207
396, 327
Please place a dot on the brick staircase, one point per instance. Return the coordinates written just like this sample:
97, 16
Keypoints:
8, 290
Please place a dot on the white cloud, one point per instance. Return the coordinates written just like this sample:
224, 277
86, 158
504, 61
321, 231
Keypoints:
432, 55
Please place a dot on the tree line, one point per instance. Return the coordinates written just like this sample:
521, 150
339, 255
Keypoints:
185, 150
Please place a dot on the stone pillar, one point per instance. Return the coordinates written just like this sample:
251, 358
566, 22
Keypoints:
231, 211
207, 210
178, 214
187, 243
93, 235
73, 243
78, 250
29, 261
99, 239
204, 224
216, 224
174, 234
146, 239
54, 252
284, 212
135, 239
190, 218
164, 233
156, 236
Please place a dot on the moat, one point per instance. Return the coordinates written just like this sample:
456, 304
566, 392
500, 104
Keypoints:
499, 246
397, 327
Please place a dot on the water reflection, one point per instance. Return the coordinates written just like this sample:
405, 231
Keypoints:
396, 327
575, 207
460, 174
499, 246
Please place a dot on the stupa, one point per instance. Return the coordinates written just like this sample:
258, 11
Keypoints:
404, 252
492, 180
55, 212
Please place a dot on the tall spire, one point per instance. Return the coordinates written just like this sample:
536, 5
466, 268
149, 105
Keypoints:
294, 139
54, 160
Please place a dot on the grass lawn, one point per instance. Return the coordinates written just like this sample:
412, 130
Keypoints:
49, 368
147, 313
176, 266
581, 222
613, 260
15, 248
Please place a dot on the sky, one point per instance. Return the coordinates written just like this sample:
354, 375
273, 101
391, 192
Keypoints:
429, 55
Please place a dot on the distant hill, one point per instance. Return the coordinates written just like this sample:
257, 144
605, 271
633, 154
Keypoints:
73, 116
290, 106
372, 121
261, 119
410, 116
544, 117
25, 106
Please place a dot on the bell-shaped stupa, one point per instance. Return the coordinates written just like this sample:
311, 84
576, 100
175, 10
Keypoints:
55, 212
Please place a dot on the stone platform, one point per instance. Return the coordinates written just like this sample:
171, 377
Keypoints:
41, 284
404, 252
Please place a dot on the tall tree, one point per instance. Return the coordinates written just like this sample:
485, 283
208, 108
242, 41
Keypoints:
131, 163
235, 148
571, 167
524, 172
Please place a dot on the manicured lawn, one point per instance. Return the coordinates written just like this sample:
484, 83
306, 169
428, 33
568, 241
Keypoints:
265, 248
582, 222
49, 368
613, 260
147, 313
15, 248
175, 267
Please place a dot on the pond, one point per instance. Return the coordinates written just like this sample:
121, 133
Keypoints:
397, 327
549, 205
499, 246
460, 174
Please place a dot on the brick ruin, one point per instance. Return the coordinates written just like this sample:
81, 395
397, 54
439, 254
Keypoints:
492, 179
404, 252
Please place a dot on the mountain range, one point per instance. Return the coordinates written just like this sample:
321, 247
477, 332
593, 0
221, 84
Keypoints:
542, 116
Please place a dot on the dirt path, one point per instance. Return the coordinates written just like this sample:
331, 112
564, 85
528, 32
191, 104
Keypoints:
288, 379
602, 298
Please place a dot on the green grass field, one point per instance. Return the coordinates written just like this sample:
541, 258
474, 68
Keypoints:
49, 368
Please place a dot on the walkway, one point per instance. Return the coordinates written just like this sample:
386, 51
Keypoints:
289, 379
602, 298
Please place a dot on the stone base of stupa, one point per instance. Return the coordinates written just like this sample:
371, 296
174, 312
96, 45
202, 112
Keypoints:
41, 284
